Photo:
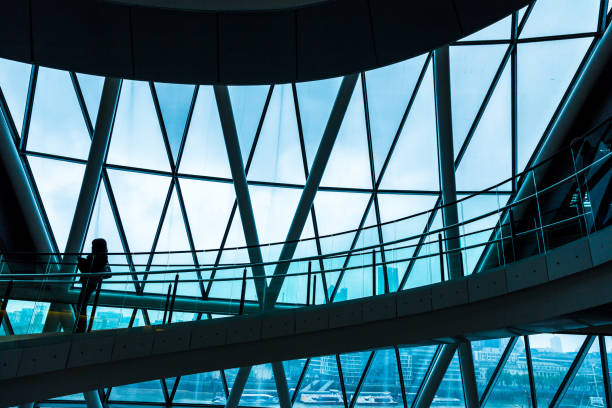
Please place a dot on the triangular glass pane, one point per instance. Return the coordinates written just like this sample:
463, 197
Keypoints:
587, 387
415, 362
500, 30
174, 102
450, 391
205, 151
357, 280
140, 198
552, 356
203, 388
352, 365
426, 269
545, 70
137, 139
59, 185
274, 209
389, 91
91, 88
512, 387
413, 164
173, 237
521, 14
349, 163
207, 217
555, 17
14, 81
247, 104
472, 70
486, 356
393, 207
260, 389
26, 317
149, 391
102, 225
293, 370
294, 288
488, 158
278, 156
57, 125
382, 385
111, 317
321, 384
231, 289
316, 100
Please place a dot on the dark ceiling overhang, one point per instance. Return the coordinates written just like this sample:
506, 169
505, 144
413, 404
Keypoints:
306, 40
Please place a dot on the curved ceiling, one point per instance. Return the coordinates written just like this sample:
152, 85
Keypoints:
307, 41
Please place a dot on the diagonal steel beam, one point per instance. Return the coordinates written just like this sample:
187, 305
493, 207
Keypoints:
434, 376
312, 184
499, 368
249, 227
571, 373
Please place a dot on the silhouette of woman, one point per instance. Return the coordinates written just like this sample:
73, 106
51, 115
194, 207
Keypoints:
95, 263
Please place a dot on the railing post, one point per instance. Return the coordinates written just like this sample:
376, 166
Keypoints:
176, 279
385, 276
243, 292
314, 290
373, 272
308, 283
94, 307
167, 304
441, 252
512, 234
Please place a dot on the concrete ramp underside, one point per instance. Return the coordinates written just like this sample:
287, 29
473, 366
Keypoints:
563, 290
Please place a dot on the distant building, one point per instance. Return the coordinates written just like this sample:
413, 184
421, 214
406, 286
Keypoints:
555, 344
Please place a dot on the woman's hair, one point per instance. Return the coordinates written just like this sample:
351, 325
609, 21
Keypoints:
98, 246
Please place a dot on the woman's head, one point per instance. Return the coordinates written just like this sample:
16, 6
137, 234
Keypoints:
98, 245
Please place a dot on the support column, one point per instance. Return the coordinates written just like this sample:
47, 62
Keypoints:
450, 216
312, 185
247, 216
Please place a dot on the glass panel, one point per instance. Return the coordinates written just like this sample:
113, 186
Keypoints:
415, 361
205, 151
544, 72
149, 391
554, 17
381, 386
137, 139
140, 198
260, 389
174, 102
389, 91
278, 156
316, 99
293, 370
499, 30
488, 158
552, 356
352, 366
208, 206
26, 317
450, 391
91, 88
472, 70
247, 104
57, 125
321, 384
413, 164
274, 209
203, 388
512, 388
173, 237
349, 163
59, 184
426, 270
587, 387
14, 82
486, 356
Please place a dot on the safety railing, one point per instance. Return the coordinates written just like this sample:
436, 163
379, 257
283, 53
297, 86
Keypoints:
492, 224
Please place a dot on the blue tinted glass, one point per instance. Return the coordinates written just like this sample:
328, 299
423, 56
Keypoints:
499, 30
554, 17
14, 79
174, 102
247, 105
91, 88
